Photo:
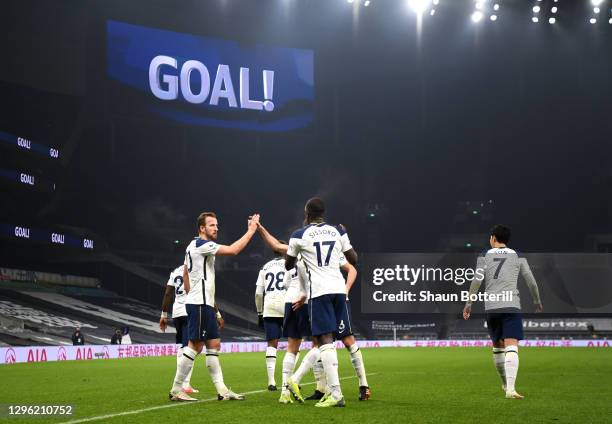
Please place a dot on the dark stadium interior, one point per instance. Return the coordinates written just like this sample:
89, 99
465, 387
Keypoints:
420, 143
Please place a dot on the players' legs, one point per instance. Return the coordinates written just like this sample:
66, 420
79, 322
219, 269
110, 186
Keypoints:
191, 351
309, 360
495, 326
212, 342
329, 358
293, 349
213, 346
293, 345
499, 360
356, 359
345, 333
325, 316
511, 364
182, 338
512, 332
185, 364
273, 327
319, 373
271, 361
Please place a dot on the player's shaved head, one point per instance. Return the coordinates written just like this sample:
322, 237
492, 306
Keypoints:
501, 233
315, 208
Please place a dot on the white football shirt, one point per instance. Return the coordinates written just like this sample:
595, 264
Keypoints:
176, 280
272, 283
299, 283
200, 261
322, 247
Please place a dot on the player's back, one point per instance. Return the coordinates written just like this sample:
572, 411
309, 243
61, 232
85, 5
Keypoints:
502, 267
176, 280
322, 247
274, 279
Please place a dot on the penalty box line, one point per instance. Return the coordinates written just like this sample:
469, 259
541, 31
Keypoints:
177, 404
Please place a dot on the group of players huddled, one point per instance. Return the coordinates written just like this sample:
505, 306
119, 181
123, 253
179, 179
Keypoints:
300, 293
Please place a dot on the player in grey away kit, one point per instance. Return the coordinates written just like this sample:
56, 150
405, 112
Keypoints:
502, 267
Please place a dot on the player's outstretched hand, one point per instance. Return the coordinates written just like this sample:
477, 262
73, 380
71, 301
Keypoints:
467, 311
260, 323
539, 307
298, 304
163, 324
253, 222
221, 322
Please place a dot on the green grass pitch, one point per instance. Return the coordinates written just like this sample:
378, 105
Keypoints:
417, 385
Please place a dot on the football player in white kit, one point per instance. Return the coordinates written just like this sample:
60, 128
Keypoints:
199, 283
321, 246
270, 291
297, 324
174, 288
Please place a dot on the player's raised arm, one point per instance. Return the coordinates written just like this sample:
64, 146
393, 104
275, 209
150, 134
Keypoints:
239, 245
271, 241
531, 284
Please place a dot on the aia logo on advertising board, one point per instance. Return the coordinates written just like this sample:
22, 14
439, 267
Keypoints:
10, 357
62, 355
84, 354
105, 353
598, 344
37, 355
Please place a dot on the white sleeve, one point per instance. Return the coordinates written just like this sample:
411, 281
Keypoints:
530, 280
260, 285
345, 243
207, 248
343, 260
302, 279
295, 246
170, 280
477, 281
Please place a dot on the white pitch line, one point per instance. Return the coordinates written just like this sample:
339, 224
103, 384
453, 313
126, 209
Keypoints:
175, 404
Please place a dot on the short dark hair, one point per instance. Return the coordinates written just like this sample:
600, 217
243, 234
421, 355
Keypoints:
315, 208
501, 233
202, 218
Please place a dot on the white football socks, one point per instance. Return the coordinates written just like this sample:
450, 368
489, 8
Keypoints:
179, 355
288, 365
271, 364
297, 359
499, 359
309, 360
214, 369
329, 357
184, 365
357, 361
511, 367
319, 374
